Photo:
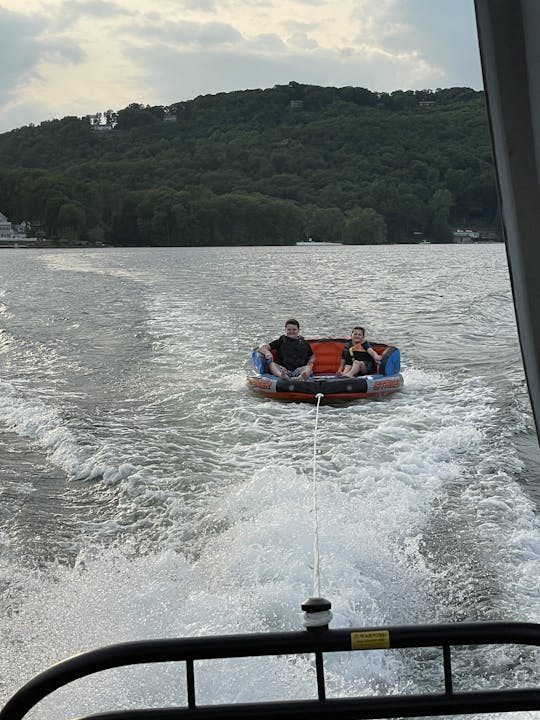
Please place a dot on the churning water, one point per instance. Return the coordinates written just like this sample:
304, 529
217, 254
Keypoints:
145, 493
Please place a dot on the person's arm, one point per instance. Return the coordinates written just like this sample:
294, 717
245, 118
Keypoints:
344, 360
311, 361
265, 351
372, 353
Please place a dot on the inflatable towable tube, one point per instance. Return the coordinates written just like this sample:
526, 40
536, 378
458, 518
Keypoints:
327, 352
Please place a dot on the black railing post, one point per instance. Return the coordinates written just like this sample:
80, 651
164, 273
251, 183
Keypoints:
319, 667
190, 682
447, 664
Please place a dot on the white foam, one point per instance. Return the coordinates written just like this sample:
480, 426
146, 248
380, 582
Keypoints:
98, 263
216, 492
44, 425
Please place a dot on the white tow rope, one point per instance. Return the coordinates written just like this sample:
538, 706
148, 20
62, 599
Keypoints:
316, 566
317, 613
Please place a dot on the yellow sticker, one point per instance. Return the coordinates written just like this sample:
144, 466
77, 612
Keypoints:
370, 640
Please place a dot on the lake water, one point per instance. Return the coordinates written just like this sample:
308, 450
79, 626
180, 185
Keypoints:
145, 493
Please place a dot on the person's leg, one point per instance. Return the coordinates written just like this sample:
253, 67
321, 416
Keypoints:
306, 372
278, 370
366, 367
352, 370
301, 373
371, 367
357, 368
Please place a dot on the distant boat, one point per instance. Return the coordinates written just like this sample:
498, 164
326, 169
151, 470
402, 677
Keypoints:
317, 243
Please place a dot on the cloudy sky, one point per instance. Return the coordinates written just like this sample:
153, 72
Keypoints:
75, 57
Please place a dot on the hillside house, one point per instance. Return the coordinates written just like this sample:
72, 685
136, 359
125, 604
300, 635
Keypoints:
466, 236
6, 228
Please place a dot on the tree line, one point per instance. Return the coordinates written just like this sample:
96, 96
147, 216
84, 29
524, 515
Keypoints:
258, 167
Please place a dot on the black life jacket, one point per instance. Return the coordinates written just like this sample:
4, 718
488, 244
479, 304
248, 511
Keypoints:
293, 352
358, 351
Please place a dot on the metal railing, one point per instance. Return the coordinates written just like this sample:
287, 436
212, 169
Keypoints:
443, 701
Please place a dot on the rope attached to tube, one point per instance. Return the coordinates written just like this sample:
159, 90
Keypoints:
316, 559
317, 613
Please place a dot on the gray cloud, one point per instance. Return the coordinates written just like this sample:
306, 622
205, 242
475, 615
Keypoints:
442, 33
20, 54
269, 41
303, 27
451, 41
72, 10
210, 34
63, 49
201, 5
302, 41
198, 72
23, 48
24, 113
424, 43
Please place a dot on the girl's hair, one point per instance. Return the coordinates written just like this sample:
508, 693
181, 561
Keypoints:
357, 327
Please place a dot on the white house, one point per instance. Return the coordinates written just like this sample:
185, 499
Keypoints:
466, 236
6, 229
12, 235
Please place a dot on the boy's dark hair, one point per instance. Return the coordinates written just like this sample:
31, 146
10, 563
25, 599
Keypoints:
359, 327
292, 321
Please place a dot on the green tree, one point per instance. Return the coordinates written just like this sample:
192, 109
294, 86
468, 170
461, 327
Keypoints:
440, 205
325, 224
72, 221
364, 226
245, 167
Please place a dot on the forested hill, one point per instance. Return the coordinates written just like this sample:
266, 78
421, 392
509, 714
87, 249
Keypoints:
258, 167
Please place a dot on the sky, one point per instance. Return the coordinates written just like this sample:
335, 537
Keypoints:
80, 57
